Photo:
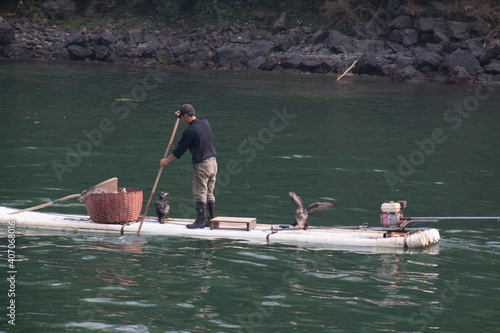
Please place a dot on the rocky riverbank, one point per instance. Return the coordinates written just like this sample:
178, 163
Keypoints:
404, 48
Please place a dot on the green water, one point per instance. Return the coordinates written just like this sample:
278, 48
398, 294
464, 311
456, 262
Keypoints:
356, 142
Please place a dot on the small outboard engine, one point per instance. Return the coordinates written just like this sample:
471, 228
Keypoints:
392, 214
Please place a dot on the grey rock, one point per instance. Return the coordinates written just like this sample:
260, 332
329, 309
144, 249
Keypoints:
463, 59
231, 57
339, 43
7, 32
181, 49
242, 38
134, 37
426, 58
104, 38
101, 52
15, 51
409, 37
491, 51
367, 64
319, 37
431, 24
493, 67
254, 64
403, 61
261, 49
459, 75
311, 64
368, 46
405, 74
59, 8
401, 22
293, 61
281, 23
458, 30
79, 52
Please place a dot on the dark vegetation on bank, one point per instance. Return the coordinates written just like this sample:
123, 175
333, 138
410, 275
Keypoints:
452, 41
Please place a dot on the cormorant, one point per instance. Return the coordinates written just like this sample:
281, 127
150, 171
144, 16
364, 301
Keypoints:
301, 214
162, 208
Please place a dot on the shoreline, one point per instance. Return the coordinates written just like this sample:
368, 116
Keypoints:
405, 49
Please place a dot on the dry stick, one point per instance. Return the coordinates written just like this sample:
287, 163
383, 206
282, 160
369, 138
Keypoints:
378, 11
341, 76
109, 185
157, 177
47, 204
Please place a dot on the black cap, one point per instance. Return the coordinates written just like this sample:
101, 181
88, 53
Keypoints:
187, 109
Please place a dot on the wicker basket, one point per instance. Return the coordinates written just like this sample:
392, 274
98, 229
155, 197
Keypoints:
115, 207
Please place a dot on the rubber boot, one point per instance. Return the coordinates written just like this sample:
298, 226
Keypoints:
211, 212
201, 213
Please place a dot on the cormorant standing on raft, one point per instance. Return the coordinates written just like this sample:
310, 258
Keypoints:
162, 208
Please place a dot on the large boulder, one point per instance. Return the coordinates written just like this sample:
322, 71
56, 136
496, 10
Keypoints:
427, 58
312, 64
101, 52
367, 64
431, 24
491, 51
79, 52
281, 23
261, 49
293, 62
231, 57
244, 37
428, 26
318, 37
339, 43
104, 38
15, 51
409, 37
7, 35
493, 67
408, 73
283, 44
404, 61
59, 8
401, 22
371, 46
458, 30
255, 63
459, 75
462, 59
181, 49
134, 37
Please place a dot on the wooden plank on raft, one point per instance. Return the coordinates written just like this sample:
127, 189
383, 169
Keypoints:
249, 222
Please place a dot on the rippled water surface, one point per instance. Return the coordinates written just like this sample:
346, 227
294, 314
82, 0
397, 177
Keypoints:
356, 142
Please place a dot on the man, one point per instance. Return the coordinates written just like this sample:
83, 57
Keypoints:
199, 139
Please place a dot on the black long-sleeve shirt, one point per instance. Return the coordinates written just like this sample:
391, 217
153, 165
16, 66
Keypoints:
199, 139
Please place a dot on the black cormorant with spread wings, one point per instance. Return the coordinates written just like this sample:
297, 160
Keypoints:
301, 214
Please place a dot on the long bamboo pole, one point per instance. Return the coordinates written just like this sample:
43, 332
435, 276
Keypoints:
157, 177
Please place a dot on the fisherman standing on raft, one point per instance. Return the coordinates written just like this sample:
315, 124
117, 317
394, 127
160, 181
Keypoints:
199, 139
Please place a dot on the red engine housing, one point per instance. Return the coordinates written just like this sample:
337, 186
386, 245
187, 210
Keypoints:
392, 214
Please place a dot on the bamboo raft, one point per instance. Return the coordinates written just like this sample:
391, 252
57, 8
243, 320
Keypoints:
241, 229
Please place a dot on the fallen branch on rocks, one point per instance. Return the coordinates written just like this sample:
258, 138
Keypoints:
353, 64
